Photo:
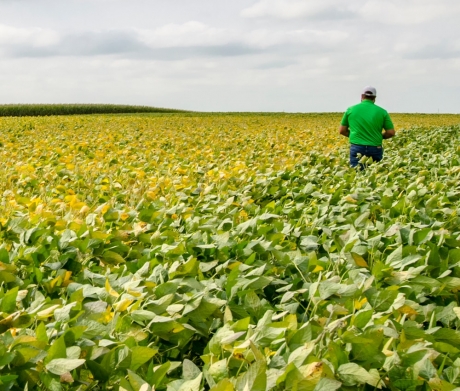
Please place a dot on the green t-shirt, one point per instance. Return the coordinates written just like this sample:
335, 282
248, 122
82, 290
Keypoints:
366, 121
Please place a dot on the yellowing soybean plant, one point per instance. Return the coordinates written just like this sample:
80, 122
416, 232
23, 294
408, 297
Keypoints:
227, 252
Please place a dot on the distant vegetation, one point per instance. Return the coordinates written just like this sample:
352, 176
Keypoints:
23, 110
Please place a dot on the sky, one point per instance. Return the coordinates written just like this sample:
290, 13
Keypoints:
232, 55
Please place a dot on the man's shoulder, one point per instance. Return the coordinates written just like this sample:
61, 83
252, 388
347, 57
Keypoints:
350, 108
382, 110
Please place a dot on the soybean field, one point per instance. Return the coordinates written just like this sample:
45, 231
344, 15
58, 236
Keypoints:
227, 252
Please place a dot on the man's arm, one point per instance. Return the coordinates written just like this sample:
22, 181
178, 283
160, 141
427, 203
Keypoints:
388, 133
388, 127
344, 131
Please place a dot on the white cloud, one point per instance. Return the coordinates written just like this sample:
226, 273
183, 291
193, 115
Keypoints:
294, 9
267, 38
170, 42
405, 12
36, 37
195, 34
191, 33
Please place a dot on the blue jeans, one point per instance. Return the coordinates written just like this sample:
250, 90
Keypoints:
376, 153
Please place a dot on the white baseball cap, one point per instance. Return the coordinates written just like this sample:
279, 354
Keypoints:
370, 91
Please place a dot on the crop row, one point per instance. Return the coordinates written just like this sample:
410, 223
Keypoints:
25, 110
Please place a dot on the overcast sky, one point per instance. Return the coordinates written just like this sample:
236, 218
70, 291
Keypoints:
232, 55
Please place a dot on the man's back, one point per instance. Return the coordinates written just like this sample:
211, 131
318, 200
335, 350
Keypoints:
366, 121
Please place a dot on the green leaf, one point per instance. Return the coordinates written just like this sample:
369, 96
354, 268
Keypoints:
381, 300
454, 255
59, 366
426, 369
255, 379
7, 277
218, 370
362, 318
352, 374
125, 385
302, 335
140, 355
326, 384
7, 382
160, 374
9, 300
422, 235
361, 220
448, 336
67, 237
136, 382
73, 352
50, 382
188, 268
395, 257
144, 315
186, 385
98, 371
57, 350
25, 355
223, 385
189, 370
299, 355
4, 255
442, 385
112, 258
7, 358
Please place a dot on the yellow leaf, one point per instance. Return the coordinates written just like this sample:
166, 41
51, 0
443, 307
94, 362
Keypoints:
134, 293
99, 235
360, 303
234, 265
349, 198
359, 260
104, 209
122, 305
110, 290
67, 276
107, 315
405, 309
317, 269
47, 312
56, 281
178, 328
60, 225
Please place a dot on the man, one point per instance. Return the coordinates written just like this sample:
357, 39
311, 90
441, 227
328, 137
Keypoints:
363, 124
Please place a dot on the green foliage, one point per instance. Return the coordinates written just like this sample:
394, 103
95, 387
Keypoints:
313, 278
33, 110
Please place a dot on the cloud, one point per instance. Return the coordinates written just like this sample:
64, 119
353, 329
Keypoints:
297, 9
191, 33
408, 12
169, 42
429, 51
280, 64
33, 37
82, 44
394, 12
302, 37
